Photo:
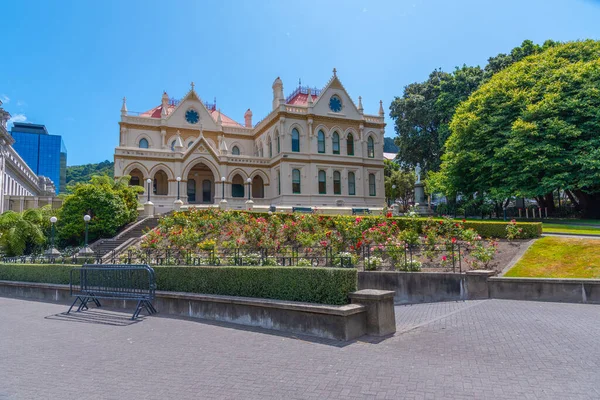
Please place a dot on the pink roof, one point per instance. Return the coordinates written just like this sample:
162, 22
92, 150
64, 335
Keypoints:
157, 111
300, 99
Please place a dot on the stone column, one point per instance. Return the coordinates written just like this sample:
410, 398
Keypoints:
381, 317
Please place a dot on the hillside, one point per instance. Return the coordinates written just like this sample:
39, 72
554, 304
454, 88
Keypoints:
389, 146
83, 173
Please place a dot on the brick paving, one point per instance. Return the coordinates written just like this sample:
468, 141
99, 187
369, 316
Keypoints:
492, 349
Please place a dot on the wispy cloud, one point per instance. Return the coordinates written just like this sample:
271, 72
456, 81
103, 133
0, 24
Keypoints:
21, 103
4, 98
16, 118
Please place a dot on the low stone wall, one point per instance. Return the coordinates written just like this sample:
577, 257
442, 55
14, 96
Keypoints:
345, 322
427, 287
546, 289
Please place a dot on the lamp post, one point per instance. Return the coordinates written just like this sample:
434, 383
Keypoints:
52, 252
393, 194
223, 203
86, 251
249, 202
148, 205
178, 203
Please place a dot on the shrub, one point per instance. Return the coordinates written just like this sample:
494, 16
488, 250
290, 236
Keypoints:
410, 266
372, 263
314, 285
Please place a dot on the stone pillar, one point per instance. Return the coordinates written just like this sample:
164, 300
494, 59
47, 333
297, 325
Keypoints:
149, 209
381, 317
420, 198
476, 284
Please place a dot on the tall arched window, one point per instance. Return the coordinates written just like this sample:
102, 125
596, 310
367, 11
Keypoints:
322, 182
237, 186
372, 191
350, 145
335, 141
278, 143
144, 144
278, 183
337, 182
161, 183
296, 181
295, 140
270, 146
351, 184
371, 147
235, 151
321, 142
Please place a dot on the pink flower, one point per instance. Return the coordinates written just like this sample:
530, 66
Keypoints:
453, 240
444, 258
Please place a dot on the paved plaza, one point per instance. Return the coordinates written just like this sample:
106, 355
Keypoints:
491, 349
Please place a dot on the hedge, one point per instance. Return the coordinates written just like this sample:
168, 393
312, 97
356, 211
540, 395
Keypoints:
313, 285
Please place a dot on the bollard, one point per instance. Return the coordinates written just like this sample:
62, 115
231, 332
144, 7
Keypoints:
527, 213
546, 212
533, 211
519, 213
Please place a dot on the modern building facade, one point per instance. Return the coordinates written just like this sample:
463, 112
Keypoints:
315, 148
20, 187
46, 154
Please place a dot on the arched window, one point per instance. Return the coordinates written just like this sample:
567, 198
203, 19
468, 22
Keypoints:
295, 140
372, 191
270, 146
337, 182
278, 182
350, 145
335, 141
258, 187
235, 151
261, 152
296, 181
173, 145
321, 142
322, 182
237, 186
190, 144
351, 184
161, 183
370, 147
144, 144
278, 144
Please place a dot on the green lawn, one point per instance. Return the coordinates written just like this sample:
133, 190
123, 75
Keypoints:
555, 257
567, 228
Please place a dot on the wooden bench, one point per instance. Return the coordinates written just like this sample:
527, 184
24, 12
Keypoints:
361, 211
306, 210
92, 282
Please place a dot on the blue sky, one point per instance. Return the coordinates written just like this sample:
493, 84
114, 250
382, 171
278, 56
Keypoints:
68, 64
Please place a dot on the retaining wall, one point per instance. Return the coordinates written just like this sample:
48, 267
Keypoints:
546, 289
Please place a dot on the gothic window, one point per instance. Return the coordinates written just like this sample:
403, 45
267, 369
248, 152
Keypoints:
144, 144
235, 151
371, 147
296, 181
295, 140
321, 142
335, 141
372, 191
351, 184
350, 145
322, 182
337, 182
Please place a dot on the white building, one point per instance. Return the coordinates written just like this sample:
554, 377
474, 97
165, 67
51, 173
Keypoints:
20, 187
315, 148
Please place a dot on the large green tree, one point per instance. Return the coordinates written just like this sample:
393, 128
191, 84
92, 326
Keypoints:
423, 113
21, 232
111, 204
532, 128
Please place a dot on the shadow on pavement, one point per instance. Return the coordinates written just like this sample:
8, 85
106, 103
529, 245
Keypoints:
94, 316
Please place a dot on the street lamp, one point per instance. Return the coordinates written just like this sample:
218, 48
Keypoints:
249, 181
393, 194
52, 252
178, 181
223, 181
86, 251
149, 182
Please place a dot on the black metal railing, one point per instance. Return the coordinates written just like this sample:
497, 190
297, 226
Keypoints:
402, 256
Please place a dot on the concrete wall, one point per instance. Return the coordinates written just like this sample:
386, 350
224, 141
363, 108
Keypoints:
426, 287
332, 322
560, 290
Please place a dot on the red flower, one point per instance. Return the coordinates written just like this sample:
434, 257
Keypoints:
464, 220
441, 222
457, 225
324, 243
389, 215
444, 258
453, 240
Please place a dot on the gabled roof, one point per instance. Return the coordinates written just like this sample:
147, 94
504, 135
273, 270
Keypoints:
156, 112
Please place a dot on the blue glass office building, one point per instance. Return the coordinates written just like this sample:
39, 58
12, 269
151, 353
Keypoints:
44, 153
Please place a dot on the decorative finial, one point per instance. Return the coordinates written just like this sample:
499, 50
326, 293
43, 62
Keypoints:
219, 120
299, 82
334, 72
309, 99
360, 106
201, 132
381, 113
124, 106
192, 84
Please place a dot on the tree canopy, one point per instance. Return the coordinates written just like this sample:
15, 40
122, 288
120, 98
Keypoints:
532, 128
111, 204
423, 113
83, 173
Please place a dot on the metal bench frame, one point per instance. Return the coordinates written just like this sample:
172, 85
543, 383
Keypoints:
116, 282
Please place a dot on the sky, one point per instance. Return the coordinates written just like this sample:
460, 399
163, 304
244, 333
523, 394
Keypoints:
68, 64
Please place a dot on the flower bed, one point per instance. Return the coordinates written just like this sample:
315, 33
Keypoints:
373, 242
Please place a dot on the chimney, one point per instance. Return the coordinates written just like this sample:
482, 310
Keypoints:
248, 119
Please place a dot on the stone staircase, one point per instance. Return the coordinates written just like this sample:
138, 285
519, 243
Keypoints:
105, 247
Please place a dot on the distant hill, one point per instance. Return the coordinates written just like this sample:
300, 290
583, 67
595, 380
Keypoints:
389, 146
83, 173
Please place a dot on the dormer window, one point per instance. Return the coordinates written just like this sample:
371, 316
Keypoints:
143, 144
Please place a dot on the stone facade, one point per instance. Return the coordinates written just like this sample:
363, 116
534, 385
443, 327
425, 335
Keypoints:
20, 187
316, 148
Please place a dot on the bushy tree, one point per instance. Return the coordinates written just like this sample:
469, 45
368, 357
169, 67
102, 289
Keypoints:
532, 128
111, 203
21, 233
405, 184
